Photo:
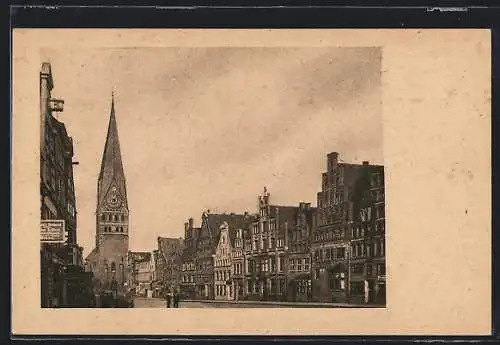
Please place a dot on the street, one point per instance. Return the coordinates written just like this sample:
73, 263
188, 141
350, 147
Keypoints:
141, 302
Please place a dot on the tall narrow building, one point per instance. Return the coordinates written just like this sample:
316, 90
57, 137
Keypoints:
108, 260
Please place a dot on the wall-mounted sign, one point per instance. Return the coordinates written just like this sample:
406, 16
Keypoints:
52, 231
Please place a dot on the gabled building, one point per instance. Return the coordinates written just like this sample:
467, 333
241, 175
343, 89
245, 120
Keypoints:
206, 245
267, 251
169, 263
299, 261
331, 237
229, 259
188, 259
238, 238
223, 264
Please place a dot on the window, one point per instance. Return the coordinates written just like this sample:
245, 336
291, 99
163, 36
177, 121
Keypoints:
292, 264
306, 264
280, 263
368, 270
357, 268
381, 269
123, 218
299, 265
340, 253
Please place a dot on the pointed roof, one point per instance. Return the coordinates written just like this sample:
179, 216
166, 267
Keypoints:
213, 221
111, 165
170, 247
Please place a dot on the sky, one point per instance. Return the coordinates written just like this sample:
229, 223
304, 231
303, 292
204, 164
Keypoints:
208, 128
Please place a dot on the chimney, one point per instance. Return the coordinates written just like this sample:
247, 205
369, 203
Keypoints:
190, 223
186, 226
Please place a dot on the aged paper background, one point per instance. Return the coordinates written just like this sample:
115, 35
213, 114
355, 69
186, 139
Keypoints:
436, 114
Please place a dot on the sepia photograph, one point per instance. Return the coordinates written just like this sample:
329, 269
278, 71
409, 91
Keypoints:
265, 227
251, 182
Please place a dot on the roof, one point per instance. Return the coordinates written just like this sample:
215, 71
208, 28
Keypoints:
169, 247
93, 254
111, 165
234, 221
285, 215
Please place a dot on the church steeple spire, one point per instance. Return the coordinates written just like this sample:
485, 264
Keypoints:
111, 165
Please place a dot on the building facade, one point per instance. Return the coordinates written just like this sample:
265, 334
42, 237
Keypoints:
331, 240
61, 261
367, 264
238, 258
223, 265
188, 259
299, 270
206, 244
169, 264
267, 251
142, 273
108, 260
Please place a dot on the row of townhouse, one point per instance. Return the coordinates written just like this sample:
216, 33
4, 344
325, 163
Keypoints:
334, 252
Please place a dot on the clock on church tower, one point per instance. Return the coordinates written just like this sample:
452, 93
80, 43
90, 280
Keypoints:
114, 199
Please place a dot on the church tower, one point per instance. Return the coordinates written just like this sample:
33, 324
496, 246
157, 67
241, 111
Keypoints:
108, 261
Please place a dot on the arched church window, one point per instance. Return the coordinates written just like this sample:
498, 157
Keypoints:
103, 217
110, 217
123, 218
116, 217
113, 267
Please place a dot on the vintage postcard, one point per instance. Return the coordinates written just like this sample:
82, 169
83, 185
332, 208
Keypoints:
339, 178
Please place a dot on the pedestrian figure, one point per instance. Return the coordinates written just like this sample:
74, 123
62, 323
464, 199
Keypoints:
176, 299
169, 299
